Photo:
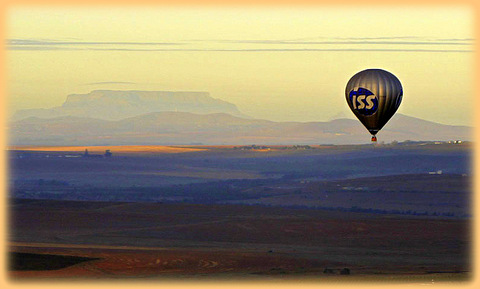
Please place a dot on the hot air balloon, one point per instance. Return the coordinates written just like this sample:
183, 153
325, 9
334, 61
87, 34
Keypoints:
374, 96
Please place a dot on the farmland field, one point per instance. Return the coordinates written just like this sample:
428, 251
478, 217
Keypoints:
324, 212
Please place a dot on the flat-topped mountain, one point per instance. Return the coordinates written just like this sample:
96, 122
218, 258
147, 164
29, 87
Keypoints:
118, 104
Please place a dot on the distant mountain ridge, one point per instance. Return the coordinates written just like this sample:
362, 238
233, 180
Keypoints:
119, 104
110, 117
177, 128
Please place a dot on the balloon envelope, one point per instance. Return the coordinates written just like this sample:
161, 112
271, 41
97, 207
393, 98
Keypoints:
374, 96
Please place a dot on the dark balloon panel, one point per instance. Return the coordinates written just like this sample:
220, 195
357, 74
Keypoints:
374, 96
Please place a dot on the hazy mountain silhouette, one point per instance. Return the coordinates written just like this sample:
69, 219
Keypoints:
219, 128
118, 104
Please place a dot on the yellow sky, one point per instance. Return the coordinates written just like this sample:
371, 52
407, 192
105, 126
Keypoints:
279, 63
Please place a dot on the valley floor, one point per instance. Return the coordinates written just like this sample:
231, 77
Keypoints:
231, 243
392, 213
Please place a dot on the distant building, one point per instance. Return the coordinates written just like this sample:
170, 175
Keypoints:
86, 154
73, 156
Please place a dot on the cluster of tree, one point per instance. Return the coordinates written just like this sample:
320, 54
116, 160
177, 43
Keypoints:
256, 147
251, 147
216, 192
40, 182
356, 209
198, 193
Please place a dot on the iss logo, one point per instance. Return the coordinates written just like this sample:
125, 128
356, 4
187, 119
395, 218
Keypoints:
364, 101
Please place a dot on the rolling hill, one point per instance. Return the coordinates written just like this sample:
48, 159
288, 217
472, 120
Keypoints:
169, 128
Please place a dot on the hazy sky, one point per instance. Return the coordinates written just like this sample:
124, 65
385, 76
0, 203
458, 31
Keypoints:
278, 63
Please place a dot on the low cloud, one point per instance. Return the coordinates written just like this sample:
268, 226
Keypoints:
379, 44
49, 44
110, 82
400, 40
41, 48
17, 42
294, 50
